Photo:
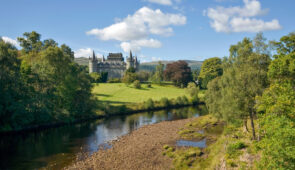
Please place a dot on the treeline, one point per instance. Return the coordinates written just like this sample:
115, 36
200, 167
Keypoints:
41, 84
252, 84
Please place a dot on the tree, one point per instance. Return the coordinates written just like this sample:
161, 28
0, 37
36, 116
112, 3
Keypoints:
193, 91
30, 42
41, 85
211, 68
96, 77
179, 73
277, 108
129, 78
244, 77
159, 73
10, 85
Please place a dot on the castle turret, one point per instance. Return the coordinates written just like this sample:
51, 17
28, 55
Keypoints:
129, 61
92, 63
103, 59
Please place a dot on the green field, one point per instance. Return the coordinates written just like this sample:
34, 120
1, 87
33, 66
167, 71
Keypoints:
119, 93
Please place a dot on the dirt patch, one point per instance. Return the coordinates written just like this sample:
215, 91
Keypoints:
141, 149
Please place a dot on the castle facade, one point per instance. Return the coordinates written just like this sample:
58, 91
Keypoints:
114, 65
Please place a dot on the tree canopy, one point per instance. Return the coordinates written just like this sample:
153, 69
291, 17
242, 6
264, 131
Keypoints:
179, 73
211, 68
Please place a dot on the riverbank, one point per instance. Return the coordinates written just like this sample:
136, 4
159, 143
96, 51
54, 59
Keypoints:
145, 147
113, 111
141, 149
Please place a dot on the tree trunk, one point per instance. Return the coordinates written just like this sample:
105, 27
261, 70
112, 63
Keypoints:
252, 125
246, 126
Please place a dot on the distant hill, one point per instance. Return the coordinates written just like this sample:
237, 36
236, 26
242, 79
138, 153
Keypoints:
148, 66
82, 61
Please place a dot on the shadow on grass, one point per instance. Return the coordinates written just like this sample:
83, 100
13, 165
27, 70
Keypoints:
113, 102
102, 95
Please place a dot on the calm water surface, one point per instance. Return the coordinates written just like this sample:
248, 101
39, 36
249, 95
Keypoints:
58, 147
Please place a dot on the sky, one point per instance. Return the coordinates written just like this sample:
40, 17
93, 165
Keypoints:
152, 29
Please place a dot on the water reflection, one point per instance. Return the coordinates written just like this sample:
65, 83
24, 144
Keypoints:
200, 144
58, 147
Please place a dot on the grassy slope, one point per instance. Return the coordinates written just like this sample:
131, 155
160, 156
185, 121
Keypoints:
119, 93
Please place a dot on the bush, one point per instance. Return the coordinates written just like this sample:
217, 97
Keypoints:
149, 104
233, 150
184, 100
129, 78
95, 77
179, 101
137, 84
164, 102
149, 85
114, 80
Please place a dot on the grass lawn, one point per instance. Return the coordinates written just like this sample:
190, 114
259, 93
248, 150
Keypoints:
119, 93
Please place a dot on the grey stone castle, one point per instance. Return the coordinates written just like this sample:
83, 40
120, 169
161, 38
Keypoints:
114, 65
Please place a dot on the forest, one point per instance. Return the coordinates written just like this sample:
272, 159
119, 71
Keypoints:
41, 84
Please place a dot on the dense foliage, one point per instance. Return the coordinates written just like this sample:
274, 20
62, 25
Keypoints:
255, 87
277, 105
179, 73
211, 68
41, 84
158, 76
244, 77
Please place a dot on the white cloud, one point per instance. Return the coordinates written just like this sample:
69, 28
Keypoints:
240, 19
134, 30
143, 22
161, 2
137, 44
10, 40
85, 52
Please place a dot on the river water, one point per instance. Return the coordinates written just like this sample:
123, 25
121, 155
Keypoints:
58, 147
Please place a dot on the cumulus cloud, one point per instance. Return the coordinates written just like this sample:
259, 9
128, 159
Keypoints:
143, 22
10, 40
240, 19
85, 52
137, 44
134, 30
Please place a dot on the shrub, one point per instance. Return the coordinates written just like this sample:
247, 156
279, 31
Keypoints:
137, 84
164, 102
149, 104
179, 101
233, 150
184, 100
114, 80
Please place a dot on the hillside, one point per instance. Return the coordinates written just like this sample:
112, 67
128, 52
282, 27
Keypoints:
149, 66
82, 61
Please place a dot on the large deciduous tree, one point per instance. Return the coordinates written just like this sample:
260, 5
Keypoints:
179, 73
232, 96
211, 68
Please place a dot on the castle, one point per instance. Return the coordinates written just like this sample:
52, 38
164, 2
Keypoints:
114, 65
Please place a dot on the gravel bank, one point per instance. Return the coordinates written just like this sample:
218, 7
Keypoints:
141, 149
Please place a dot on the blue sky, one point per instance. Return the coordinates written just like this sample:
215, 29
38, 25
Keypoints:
153, 29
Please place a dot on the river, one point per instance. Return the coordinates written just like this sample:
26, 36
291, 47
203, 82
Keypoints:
58, 147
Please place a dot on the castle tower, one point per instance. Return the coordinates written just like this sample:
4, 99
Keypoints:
92, 63
103, 59
136, 63
129, 61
